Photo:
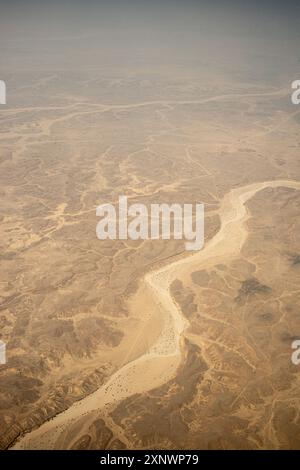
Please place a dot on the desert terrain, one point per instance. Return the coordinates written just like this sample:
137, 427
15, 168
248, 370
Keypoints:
140, 344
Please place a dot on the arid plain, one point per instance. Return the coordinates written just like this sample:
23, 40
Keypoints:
140, 344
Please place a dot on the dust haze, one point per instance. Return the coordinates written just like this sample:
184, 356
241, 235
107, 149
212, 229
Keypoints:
122, 344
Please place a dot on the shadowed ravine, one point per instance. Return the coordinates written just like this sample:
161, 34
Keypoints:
158, 364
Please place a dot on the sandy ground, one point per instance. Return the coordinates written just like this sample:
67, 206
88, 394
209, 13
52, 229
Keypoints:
159, 362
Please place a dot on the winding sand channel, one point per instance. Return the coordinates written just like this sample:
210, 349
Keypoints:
159, 362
